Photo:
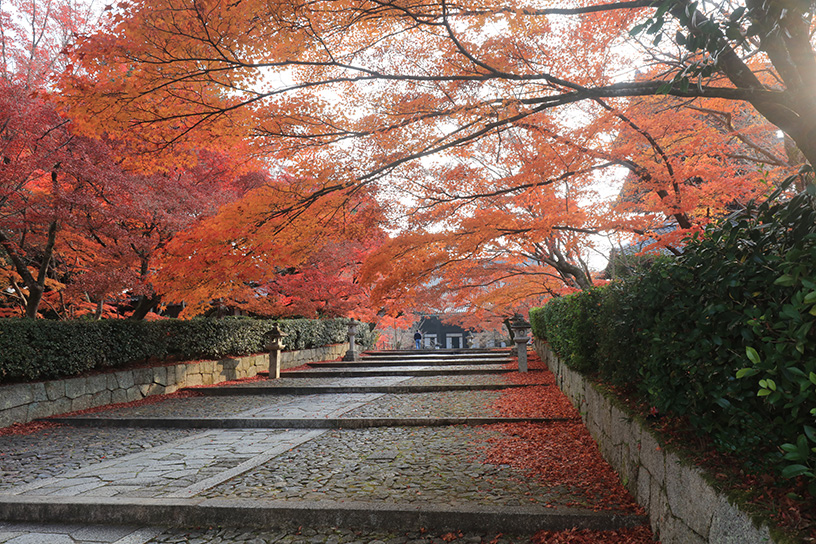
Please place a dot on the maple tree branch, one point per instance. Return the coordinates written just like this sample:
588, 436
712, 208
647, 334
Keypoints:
516, 188
16, 260
749, 158
598, 8
507, 276
47, 252
726, 120
631, 165
20, 294
655, 88
682, 218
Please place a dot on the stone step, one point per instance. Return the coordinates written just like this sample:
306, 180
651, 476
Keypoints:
227, 390
291, 423
393, 372
433, 355
260, 513
365, 362
456, 351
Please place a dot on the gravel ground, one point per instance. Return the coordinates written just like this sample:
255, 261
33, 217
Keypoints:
441, 404
396, 465
328, 536
52, 451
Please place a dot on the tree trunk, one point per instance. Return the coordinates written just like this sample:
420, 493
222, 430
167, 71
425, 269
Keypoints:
36, 286
144, 306
509, 328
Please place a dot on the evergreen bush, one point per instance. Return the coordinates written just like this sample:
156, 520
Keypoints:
43, 349
724, 335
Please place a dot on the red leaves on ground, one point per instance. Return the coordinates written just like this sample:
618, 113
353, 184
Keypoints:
255, 378
27, 428
636, 535
153, 399
534, 364
562, 454
304, 366
557, 453
535, 401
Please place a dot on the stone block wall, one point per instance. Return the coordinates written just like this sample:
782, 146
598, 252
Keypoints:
24, 402
683, 508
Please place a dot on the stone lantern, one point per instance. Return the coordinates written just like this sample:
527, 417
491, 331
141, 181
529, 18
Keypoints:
469, 339
520, 337
351, 354
275, 343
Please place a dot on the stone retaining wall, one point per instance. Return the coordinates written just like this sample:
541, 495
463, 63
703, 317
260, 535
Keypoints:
683, 508
24, 402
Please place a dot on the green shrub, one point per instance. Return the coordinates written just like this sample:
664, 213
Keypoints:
42, 349
538, 322
724, 335
569, 325
732, 341
619, 332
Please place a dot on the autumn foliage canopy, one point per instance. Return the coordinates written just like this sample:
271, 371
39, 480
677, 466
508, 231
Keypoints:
377, 157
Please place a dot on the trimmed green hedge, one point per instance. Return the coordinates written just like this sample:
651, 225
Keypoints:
567, 325
724, 335
42, 349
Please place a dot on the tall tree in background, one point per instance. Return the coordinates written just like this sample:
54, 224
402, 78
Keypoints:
82, 217
35, 37
33, 144
251, 257
76, 224
123, 220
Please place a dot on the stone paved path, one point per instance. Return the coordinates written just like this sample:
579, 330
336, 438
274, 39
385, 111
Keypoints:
290, 485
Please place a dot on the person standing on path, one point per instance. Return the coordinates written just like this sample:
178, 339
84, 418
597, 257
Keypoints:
417, 340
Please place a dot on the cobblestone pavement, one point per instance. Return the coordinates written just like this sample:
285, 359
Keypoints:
409, 368
180, 469
52, 451
405, 465
29, 533
410, 467
466, 379
476, 403
475, 379
440, 404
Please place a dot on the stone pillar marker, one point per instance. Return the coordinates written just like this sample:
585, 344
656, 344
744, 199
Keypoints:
351, 354
520, 328
275, 342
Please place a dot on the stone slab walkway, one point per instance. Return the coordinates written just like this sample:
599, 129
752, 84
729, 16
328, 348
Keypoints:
401, 483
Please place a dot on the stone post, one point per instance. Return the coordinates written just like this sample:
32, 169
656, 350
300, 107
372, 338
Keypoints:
520, 328
351, 354
275, 342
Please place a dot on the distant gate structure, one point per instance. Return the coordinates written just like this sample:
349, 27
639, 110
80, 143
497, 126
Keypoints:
439, 335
